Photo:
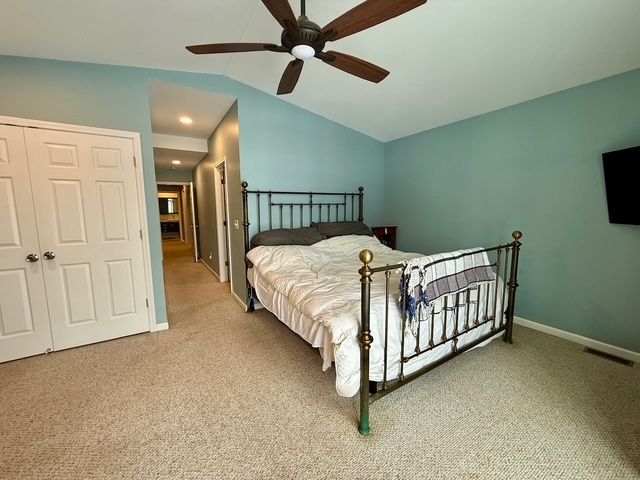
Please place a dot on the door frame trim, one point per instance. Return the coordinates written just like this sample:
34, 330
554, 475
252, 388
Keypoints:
225, 193
221, 201
141, 191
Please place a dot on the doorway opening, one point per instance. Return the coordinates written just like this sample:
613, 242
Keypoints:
196, 153
177, 214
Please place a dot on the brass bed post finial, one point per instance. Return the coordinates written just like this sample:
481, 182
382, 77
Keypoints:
512, 284
365, 339
366, 257
361, 205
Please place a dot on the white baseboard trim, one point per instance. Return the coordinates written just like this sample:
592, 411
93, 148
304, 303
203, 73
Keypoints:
239, 300
158, 327
215, 274
575, 338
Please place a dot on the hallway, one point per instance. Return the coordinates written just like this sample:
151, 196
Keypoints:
190, 288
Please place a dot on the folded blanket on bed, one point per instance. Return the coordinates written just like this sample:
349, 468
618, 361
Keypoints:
425, 279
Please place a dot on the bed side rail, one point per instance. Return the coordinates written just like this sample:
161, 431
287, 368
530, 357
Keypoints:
469, 309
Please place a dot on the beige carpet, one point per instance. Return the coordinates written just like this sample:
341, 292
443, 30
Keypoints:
224, 394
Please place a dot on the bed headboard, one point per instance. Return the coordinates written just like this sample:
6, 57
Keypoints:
276, 209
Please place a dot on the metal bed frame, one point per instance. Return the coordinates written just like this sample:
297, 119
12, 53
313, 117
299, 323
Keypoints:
296, 208
343, 205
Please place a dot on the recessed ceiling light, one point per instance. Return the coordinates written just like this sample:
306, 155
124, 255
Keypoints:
176, 162
186, 120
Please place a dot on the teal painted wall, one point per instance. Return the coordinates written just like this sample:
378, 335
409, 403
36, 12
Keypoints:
535, 167
280, 145
174, 176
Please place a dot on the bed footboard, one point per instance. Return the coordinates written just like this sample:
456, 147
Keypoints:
494, 320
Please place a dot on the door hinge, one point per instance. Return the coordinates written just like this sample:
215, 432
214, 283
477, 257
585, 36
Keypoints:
147, 302
226, 263
140, 234
224, 223
135, 165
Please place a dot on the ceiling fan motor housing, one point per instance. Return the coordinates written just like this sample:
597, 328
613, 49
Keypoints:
309, 33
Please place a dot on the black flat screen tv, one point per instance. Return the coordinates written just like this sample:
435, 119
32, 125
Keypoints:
622, 182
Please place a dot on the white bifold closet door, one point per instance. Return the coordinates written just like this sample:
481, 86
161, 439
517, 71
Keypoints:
24, 318
85, 212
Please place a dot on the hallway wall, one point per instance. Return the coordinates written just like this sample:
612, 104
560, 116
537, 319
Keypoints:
223, 142
173, 175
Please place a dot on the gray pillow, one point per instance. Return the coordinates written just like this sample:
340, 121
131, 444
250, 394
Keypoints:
335, 229
287, 236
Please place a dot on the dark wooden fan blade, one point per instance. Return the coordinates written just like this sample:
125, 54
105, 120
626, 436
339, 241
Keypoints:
234, 47
290, 77
354, 66
368, 14
281, 11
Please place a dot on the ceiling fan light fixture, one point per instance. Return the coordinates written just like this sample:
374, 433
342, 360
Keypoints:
303, 52
305, 39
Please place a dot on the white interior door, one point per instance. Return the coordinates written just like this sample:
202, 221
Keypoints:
194, 222
187, 216
185, 219
86, 207
221, 219
24, 319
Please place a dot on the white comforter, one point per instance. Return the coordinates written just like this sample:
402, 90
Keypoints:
321, 282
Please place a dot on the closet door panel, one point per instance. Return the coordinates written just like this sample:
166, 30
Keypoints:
24, 319
88, 217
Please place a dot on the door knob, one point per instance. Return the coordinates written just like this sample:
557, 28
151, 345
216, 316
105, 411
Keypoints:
33, 257
49, 255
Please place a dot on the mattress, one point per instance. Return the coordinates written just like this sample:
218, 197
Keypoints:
315, 291
314, 333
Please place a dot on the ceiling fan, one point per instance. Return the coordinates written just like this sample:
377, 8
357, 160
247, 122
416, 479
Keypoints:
305, 39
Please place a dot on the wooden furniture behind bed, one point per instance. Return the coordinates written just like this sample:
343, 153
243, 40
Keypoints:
386, 235
286, 209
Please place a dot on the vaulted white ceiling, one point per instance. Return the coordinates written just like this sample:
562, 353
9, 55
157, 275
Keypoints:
449, 59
